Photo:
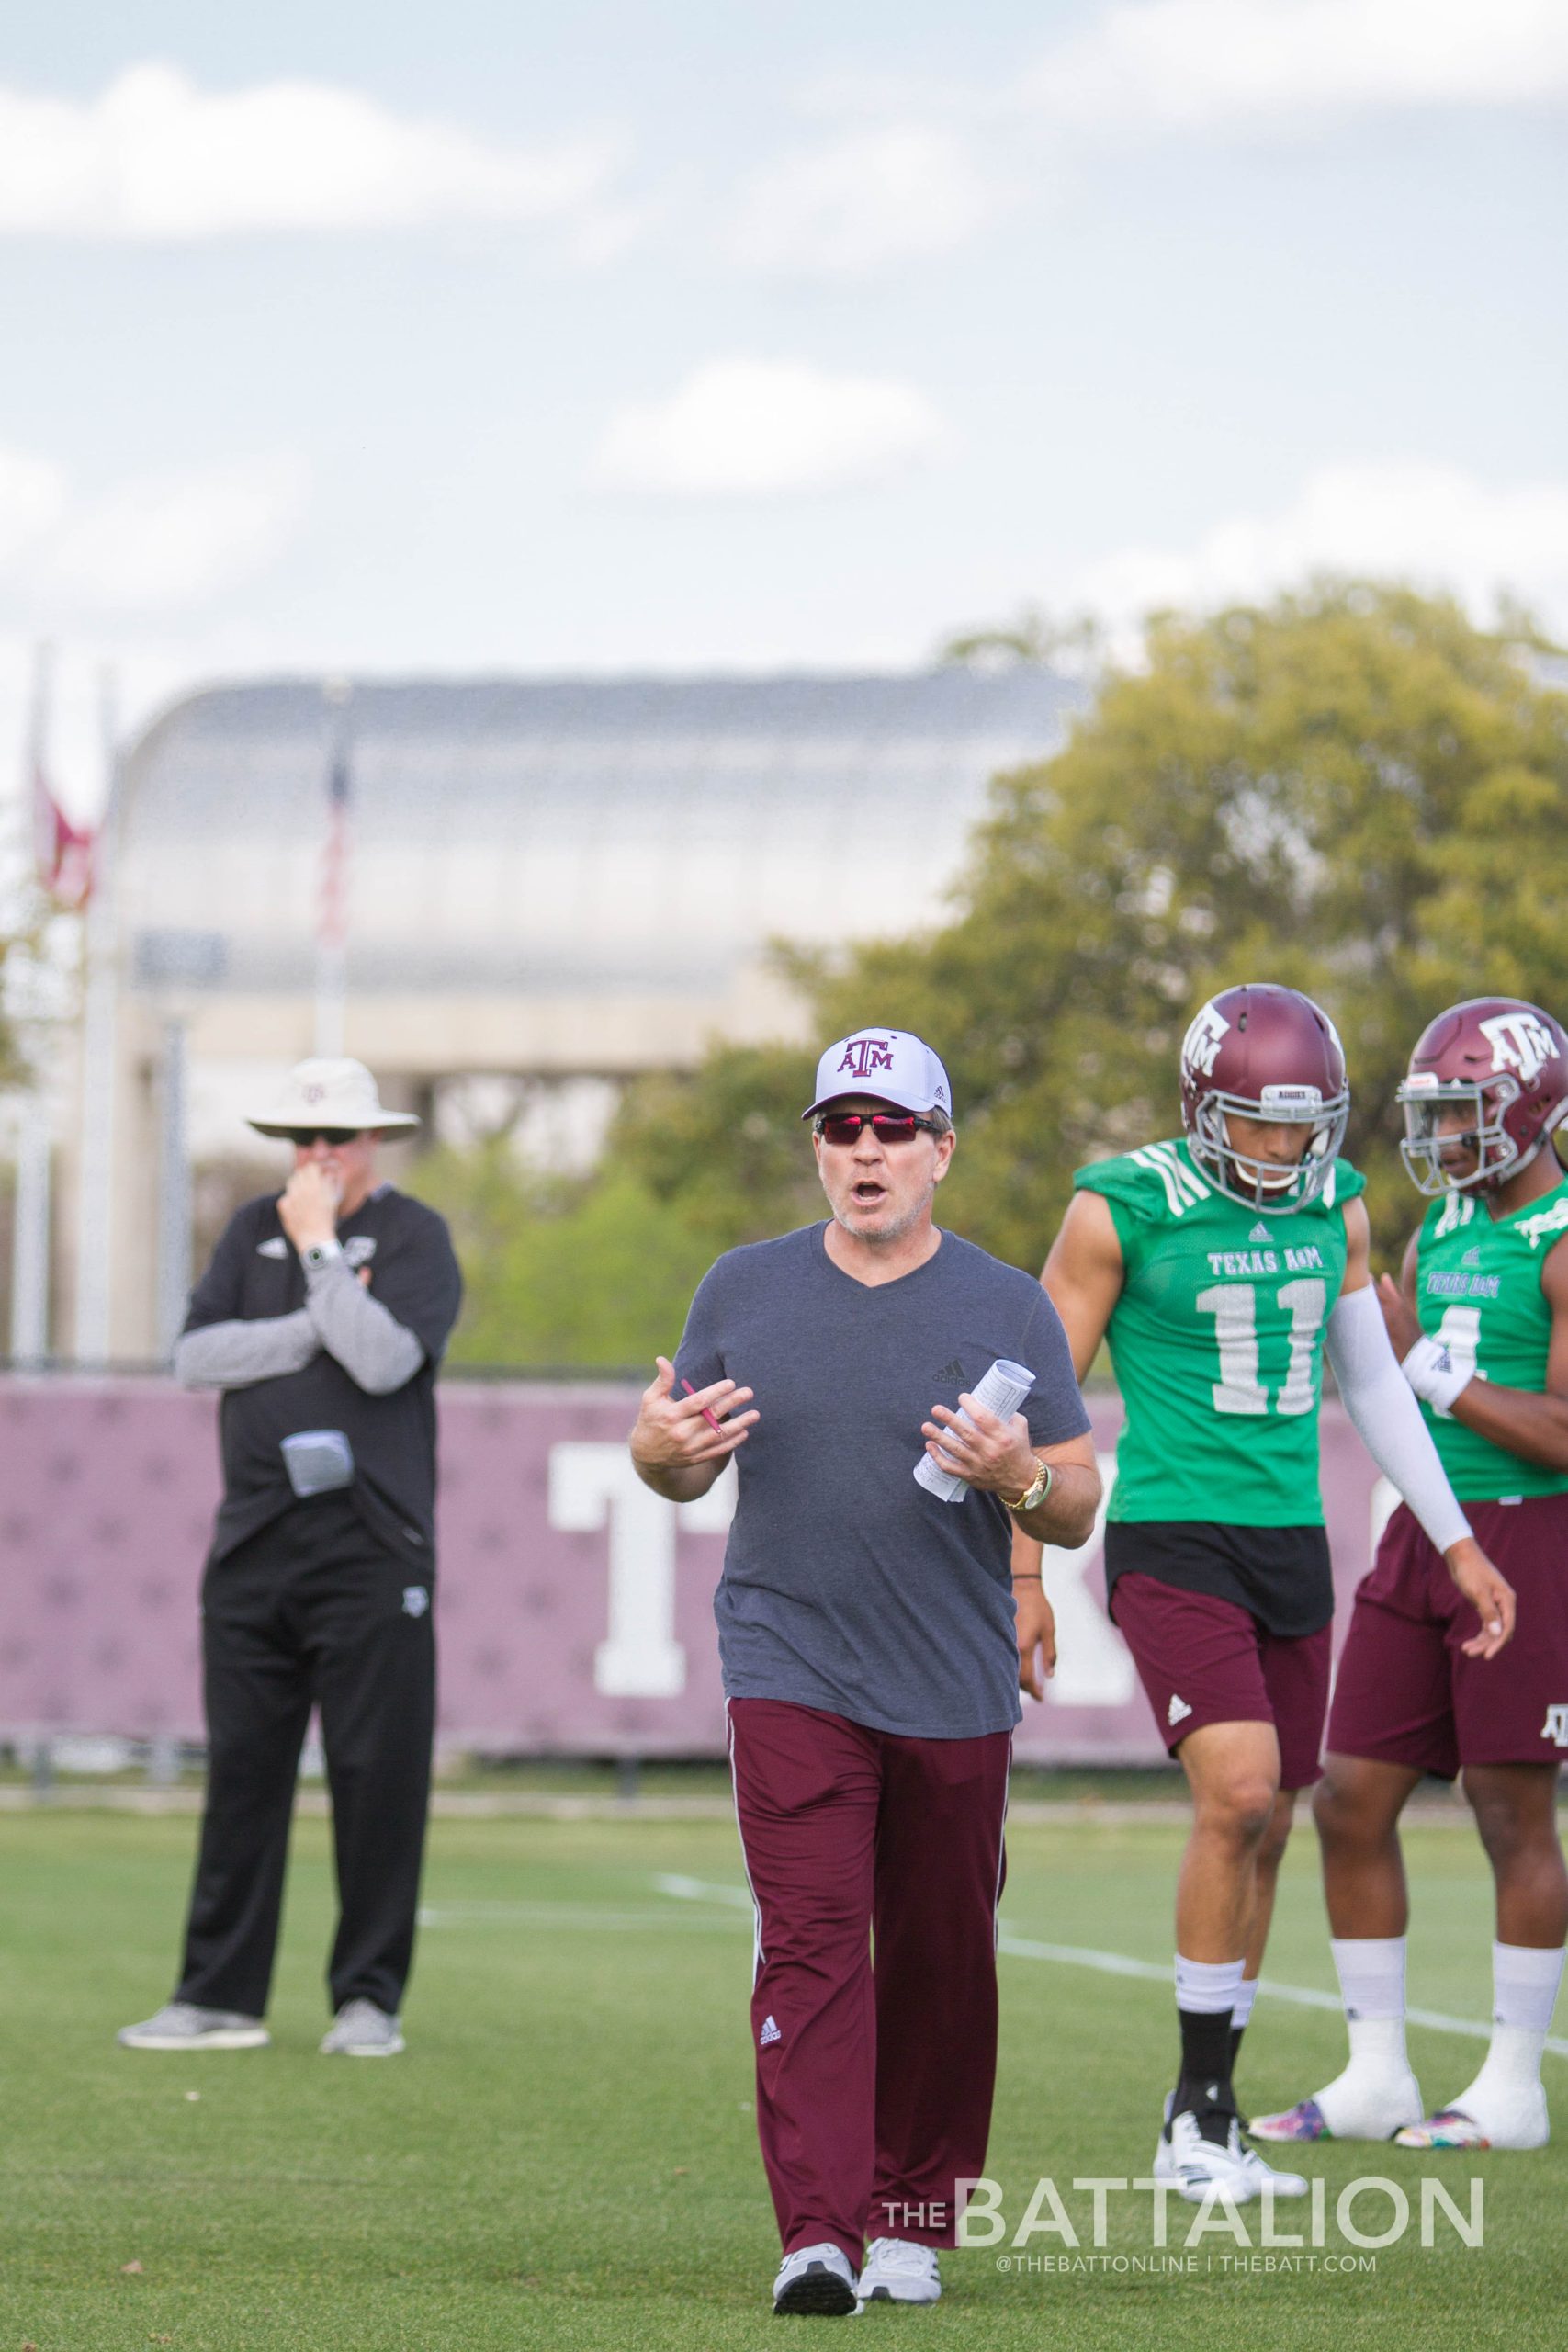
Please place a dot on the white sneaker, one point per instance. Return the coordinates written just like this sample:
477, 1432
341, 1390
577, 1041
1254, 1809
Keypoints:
1194, 2166
899, 2271
818, 2281
1283, 2184
362, 2031
184, 2025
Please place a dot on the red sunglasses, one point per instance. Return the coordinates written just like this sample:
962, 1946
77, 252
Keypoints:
887, 1126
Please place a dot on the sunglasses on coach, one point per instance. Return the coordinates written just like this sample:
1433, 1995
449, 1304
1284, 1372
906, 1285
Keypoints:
887, 1126
302, 1137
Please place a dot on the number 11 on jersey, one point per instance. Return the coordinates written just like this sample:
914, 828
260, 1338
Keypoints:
1234, 1307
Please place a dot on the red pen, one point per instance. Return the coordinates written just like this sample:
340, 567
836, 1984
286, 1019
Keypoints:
716, 1427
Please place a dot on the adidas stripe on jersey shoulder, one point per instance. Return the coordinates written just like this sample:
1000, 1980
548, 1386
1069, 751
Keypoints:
1217, 1340
1160, 1181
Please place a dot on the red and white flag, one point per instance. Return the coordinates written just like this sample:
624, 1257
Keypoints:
62, 851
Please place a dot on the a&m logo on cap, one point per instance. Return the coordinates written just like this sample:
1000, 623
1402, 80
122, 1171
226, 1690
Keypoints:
863, 1054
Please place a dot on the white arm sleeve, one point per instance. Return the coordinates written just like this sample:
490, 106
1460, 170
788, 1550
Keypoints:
1382, 1404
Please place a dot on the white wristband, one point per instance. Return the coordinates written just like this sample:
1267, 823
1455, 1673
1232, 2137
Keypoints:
1433, 1374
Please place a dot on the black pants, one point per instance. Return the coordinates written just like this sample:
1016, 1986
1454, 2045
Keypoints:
312, 1609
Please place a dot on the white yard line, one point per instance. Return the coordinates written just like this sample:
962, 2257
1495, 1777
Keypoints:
1120, 1964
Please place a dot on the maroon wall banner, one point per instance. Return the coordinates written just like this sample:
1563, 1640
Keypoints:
573, 1606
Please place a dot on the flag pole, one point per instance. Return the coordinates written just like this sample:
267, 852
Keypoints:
95, 1225
332, 932
32, 1205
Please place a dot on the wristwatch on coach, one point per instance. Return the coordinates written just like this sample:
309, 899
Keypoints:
320, 1254
1032, 1497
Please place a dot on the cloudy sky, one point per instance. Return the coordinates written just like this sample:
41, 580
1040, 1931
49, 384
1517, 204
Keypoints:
495, 335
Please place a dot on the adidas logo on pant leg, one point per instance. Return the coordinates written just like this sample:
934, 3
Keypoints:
770, 2033
1178, 1711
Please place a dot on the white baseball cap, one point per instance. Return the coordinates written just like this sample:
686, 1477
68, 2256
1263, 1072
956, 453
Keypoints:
328, 1093
887, 1063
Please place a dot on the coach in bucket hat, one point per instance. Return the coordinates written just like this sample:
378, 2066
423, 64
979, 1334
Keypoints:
321, 1319
329, 1094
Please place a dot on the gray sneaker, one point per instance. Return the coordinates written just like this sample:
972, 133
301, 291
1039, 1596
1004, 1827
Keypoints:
182, 2025
362, 2031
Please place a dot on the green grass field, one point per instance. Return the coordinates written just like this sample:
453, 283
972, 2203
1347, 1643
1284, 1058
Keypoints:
566, 2156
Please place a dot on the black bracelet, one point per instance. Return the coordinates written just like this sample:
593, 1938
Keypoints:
1029, 1575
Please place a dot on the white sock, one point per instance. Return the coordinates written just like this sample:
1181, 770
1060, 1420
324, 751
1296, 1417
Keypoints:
1247, 1994
1371, 1970
1524, 1987
1377, 2093
1206, 1987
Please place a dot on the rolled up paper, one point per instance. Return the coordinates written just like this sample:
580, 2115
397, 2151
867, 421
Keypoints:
1001, 1392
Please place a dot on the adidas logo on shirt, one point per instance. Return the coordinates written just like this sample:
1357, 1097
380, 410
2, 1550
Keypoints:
1178, 1711
769, 2032
1259, 1232
1470, 1258
954, 1370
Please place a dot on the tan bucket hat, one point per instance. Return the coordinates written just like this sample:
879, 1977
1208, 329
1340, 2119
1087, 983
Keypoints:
328, 1093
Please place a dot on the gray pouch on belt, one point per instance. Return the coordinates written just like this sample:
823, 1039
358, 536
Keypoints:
317, 1461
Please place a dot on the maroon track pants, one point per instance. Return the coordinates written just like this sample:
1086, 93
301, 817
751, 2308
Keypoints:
873, 2084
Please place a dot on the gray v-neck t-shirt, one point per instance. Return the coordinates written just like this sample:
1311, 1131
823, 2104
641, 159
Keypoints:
846, 1586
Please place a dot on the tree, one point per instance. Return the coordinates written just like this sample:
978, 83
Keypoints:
1352, 790
561, 1270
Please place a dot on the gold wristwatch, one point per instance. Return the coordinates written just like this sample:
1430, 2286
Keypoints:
1032, 1497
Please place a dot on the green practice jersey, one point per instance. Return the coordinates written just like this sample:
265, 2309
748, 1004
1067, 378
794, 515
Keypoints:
1217, 1340
1478, 1290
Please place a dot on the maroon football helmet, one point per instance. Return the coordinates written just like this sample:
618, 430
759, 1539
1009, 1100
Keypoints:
1266, 1053
1505, 1065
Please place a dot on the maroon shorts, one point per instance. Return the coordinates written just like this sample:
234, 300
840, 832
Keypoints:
1203, 1660
1405, 1693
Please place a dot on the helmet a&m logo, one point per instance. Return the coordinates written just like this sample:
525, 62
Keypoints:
863, 1055
1555, 1727
1201, 1046
1519, 1041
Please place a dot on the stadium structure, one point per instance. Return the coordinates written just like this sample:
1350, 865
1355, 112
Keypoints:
546, 879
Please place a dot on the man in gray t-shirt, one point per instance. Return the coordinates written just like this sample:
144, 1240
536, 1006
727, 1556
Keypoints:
870, 1663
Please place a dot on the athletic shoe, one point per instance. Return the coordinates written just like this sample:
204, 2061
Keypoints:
362, 2031
1194, 2166
899, 2271
1367, 2107
1452, 2126
1283, 2184
1302, 2122
816, 2281
182, 2025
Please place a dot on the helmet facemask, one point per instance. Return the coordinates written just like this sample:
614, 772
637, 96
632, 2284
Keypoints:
1272, 1187
1424, 1096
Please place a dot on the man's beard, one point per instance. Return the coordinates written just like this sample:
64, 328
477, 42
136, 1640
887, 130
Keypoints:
894, 1232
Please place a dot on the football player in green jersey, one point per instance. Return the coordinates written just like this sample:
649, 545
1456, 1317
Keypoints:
1218, 1266
1480, 1318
